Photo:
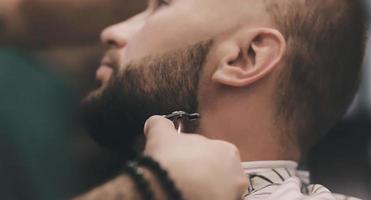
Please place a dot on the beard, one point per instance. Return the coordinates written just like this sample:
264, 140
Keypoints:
155, 85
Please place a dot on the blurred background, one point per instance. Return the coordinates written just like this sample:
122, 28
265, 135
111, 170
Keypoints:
49, 51
342, 161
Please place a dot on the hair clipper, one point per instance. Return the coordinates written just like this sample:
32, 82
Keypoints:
184, 122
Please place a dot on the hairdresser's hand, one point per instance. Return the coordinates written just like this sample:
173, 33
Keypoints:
202, 168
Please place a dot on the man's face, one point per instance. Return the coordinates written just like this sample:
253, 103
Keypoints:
154, 85
167, 25
155, 63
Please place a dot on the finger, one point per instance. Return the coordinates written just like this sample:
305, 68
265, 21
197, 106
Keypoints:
158, 126
244, 186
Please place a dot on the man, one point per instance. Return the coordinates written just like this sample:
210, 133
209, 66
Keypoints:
36, 156
269, 76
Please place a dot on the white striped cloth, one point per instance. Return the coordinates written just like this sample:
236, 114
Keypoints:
281, 180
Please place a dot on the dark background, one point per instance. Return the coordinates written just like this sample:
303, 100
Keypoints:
342, 161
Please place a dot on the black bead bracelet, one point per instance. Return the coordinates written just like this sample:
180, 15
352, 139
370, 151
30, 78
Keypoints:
143, 187
167, 184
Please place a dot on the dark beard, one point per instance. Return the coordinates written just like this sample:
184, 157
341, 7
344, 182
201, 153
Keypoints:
153, 86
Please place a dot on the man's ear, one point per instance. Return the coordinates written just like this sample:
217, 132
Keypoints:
255, 54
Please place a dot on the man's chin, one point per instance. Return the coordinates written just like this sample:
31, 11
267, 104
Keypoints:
91, 95
112, 130
94, 93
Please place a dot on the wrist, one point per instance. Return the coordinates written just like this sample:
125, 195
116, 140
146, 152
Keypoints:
155, 185
162, 176
151, 180
137, 175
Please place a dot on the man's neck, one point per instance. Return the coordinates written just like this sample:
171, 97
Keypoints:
246, 117
253, 136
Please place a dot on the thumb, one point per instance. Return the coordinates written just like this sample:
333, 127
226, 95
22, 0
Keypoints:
158, 126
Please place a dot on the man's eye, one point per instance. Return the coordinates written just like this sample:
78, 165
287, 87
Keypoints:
155, 5
163, 3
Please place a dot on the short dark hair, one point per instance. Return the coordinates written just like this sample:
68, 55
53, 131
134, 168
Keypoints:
326, 44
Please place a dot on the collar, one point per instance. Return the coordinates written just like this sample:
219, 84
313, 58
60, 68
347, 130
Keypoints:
256, 166
264, 173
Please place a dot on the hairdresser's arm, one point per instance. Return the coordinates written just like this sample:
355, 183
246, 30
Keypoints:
55, 22
121, 187
201, 168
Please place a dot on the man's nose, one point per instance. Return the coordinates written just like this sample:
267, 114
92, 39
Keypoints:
116, 35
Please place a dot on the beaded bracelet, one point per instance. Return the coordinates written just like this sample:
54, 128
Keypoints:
132, 170
167, 184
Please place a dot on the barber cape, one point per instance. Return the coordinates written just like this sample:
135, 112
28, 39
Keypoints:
281, 180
